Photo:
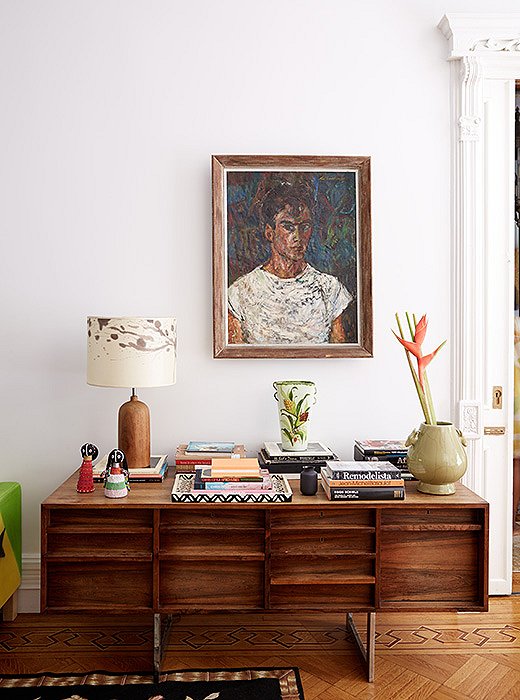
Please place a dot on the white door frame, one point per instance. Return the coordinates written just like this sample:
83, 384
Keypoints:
484, 52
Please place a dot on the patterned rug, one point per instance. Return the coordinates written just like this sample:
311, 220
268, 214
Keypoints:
229, 684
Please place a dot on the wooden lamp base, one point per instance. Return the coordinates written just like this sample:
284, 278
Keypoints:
134, 433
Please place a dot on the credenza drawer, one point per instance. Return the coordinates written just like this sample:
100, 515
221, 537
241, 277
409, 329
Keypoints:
103, 585
326, 517
316, 570
211, 585
322, 542
109, 520
434, 516
87, 544
222, 517
322, 597
205, 542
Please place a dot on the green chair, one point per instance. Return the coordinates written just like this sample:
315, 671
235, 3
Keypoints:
10, 547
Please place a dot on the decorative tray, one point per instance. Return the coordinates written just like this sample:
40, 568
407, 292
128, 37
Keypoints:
183, 491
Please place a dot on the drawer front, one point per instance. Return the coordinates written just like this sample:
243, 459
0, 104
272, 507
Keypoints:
430, 566
305, 568
106, 586
207, 542
112, 518
322, 542
323, 597
318, 517
219, 517
211, 585
434, 516
89, 543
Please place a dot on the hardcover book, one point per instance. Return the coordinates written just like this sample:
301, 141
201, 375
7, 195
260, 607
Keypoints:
217, 447
184, 491
314, 450
374, 447
206, 475
288, 467
158, 463
296, 459
264, 484
182, 457
361, 471
400, 459
363, 493
235, 467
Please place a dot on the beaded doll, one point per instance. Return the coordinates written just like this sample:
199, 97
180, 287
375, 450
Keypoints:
116, 475
85, 483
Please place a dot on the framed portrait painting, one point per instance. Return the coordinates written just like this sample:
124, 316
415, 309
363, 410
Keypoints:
292, 272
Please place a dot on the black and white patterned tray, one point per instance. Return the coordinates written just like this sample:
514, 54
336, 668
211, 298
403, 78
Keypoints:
183, 492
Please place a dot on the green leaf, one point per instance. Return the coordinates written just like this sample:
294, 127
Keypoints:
287, 433
299, 405
291, 393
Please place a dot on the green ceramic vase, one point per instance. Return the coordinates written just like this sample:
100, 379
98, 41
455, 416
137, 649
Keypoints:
436, 456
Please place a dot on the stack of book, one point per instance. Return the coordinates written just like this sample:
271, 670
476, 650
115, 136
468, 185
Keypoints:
193, 454
228, 480
393, 451
278, 460
362, 481
154, 473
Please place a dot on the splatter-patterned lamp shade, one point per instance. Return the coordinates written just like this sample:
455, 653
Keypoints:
131, 352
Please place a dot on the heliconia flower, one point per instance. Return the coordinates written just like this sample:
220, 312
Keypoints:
411, 346
304, 416
420, 330
424, 361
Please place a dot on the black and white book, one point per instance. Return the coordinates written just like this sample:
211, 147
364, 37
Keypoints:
315, 451
399, 459
361, 471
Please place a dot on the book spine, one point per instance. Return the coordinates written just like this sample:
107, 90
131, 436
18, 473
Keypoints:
369, 493
183, 461
361, 476
220, 479
354, 483
399, 459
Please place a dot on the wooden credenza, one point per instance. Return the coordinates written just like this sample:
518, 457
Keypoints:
144, 553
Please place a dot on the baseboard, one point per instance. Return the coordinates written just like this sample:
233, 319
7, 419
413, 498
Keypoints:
499, 586
29, 593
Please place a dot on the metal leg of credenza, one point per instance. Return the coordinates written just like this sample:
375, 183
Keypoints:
160, 641
367, 651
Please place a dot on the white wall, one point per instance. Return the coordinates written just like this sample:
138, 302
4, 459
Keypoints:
109, 113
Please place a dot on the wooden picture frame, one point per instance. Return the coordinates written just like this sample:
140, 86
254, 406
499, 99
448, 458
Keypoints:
292, 270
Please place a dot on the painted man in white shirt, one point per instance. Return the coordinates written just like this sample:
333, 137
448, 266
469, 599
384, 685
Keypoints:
286, 300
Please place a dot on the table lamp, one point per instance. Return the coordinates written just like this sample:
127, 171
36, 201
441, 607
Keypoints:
132, 352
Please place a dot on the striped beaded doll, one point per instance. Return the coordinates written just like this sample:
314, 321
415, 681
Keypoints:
116, 476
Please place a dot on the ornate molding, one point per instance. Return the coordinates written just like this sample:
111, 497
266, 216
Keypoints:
469, 419
469, 128
487, 33
497, 45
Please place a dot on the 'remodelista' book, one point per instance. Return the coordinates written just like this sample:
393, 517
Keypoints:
361, 471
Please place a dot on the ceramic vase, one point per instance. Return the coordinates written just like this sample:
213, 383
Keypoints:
436, 456
295, 399
308, 481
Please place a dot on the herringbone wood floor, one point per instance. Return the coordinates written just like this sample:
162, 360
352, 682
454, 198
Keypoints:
434, 656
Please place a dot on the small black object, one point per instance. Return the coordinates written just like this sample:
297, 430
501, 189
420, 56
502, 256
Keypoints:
308, 481
89, 450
